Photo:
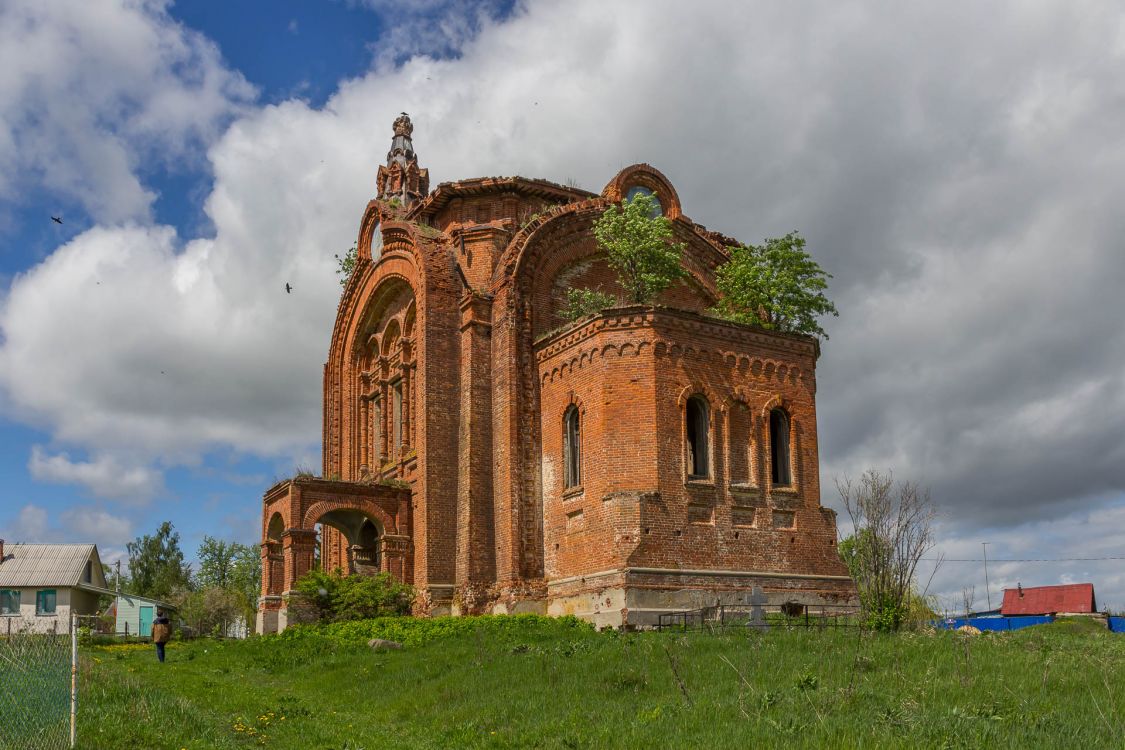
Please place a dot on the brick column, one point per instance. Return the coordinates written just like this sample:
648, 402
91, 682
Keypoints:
298, 546
475, 561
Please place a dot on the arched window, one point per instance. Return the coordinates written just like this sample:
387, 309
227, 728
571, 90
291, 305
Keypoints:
572, 447
779, 449
368, 553
698, 419
275, 529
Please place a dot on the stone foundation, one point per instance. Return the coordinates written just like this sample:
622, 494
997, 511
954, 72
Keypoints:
636, 597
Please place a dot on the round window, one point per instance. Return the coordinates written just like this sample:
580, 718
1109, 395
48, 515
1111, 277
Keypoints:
633, 192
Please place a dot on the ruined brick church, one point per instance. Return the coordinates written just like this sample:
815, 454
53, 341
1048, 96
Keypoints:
499, 458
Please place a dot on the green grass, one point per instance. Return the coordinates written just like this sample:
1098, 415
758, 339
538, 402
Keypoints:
498, 685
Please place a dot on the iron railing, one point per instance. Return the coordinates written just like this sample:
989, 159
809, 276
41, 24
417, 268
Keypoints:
722, 616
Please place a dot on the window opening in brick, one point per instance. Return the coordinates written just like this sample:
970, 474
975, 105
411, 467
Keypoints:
319, 552
633, 192
396, 418
572, 449
698, 438
368, 553
376, 243
779, 448
275, 528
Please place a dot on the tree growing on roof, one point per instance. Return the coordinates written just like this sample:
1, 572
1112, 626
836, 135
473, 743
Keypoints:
775, 285
637, 240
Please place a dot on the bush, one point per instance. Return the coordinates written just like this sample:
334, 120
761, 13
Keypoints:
583, 302
335, 597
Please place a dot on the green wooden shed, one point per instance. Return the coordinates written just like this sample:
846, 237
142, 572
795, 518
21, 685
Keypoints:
136, 613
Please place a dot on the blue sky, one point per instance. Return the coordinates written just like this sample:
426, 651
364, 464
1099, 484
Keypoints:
956, 168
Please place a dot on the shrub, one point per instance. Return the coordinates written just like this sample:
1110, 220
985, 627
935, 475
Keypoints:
345, 264
583, 302
335, 597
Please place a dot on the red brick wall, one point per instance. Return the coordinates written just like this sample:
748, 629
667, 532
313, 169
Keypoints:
633, 371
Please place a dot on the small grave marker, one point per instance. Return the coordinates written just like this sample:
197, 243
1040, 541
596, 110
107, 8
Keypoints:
756, 600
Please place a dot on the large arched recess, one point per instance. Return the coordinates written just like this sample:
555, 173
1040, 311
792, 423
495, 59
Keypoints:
523, 278
422, 263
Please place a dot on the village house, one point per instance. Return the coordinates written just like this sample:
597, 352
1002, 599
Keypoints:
1062, 599
42, 584
500, 458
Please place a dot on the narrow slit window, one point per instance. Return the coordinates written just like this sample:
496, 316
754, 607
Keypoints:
572, 449
396, 418
779, 449
698, 426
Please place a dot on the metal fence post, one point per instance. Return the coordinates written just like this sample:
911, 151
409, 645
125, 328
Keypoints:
73, 677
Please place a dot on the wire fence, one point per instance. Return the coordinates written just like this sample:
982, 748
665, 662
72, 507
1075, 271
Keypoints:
723, 616
38, 680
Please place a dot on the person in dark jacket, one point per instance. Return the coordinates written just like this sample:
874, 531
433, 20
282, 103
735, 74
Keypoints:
161, 632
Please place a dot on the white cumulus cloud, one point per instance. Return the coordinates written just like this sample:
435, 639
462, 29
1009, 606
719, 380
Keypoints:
92, 91
105, 476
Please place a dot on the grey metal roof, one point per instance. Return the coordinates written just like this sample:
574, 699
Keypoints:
49, 565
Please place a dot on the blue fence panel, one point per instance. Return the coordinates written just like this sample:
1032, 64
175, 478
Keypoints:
1116, 624
997, 623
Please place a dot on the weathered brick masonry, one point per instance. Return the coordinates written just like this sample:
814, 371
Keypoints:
500, 459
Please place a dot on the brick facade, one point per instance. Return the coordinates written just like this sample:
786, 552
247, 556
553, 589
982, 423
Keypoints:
451, 371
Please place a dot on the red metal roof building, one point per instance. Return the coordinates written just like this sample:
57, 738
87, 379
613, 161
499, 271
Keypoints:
1045, 600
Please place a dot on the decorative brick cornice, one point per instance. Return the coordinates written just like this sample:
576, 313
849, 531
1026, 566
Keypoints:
447, 191
641, 316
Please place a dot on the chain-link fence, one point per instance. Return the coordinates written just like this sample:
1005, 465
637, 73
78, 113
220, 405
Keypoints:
37, 658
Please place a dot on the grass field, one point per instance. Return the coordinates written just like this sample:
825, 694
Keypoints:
542, 685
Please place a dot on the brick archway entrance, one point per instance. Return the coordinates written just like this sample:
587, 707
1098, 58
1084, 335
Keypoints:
375, 536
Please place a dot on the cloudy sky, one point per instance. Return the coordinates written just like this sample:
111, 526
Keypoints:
958, 168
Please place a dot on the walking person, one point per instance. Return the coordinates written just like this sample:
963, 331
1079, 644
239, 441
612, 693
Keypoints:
161, 633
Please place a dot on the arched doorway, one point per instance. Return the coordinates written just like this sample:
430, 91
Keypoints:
357, 546
309, 522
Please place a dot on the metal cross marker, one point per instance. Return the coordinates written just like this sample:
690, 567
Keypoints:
757, 614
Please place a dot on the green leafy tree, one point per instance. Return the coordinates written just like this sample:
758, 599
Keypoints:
156, 564
216, 562
775, 285
233, 568
335, 597
345, 264
639, 247
583, 302
210, 610
246, 578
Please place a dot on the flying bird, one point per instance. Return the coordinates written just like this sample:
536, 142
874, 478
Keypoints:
288, 289
56, 219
